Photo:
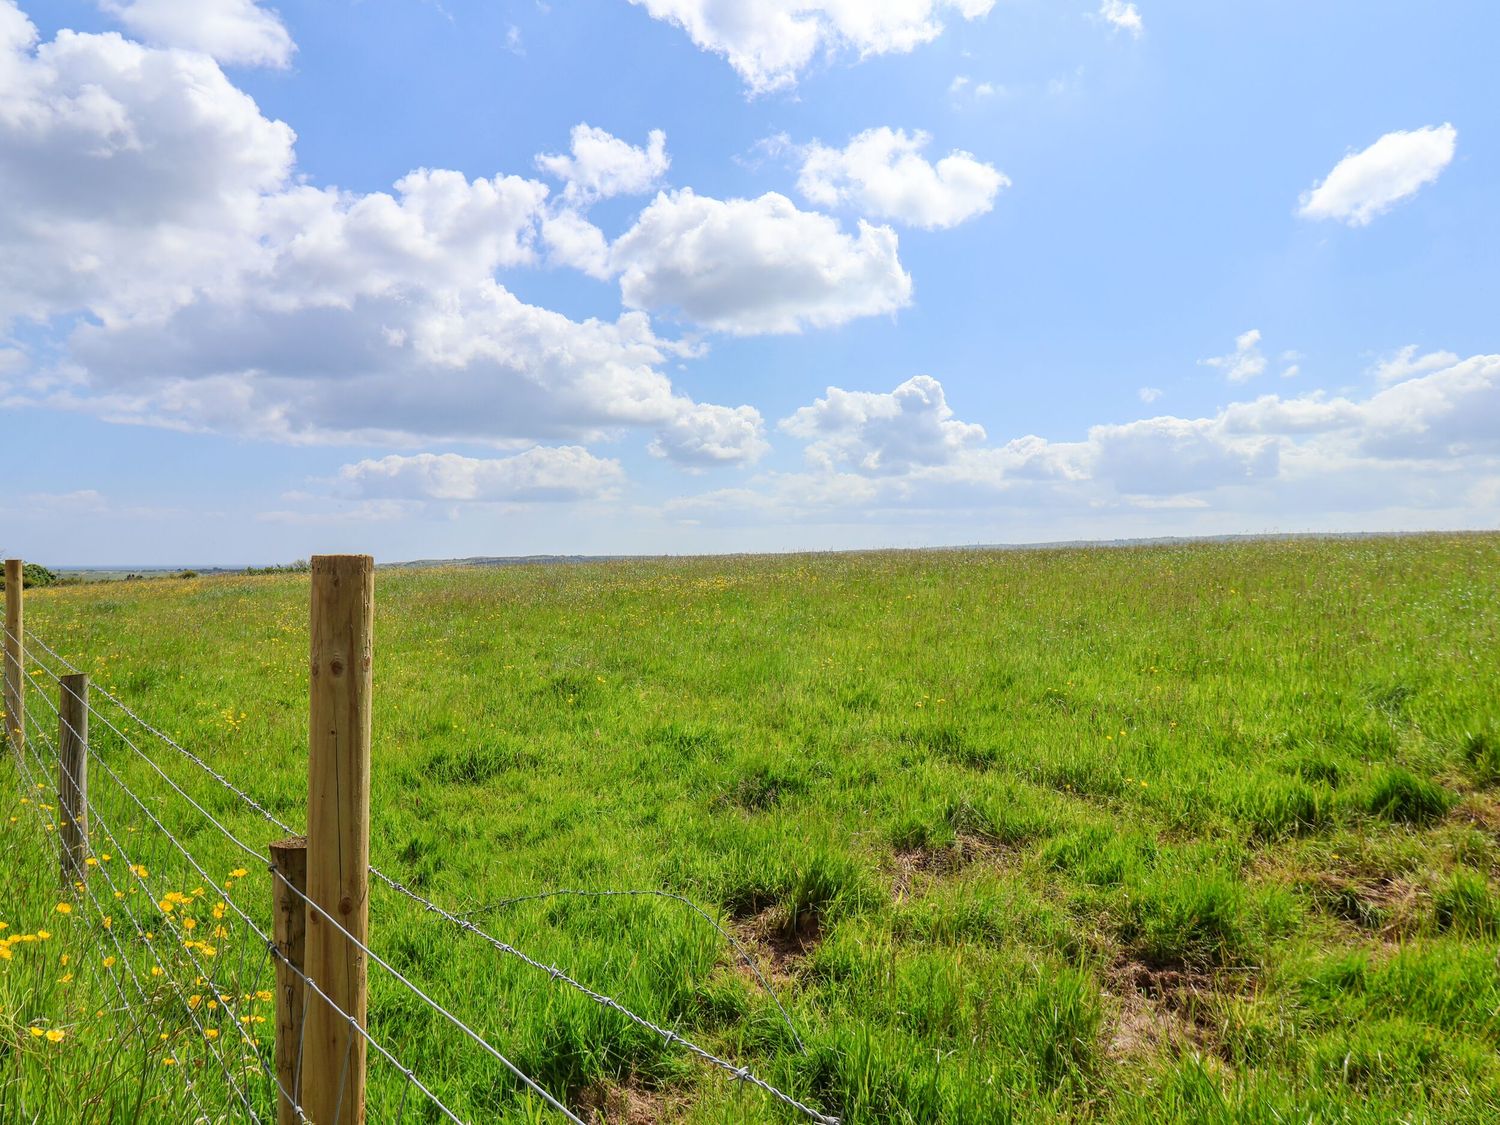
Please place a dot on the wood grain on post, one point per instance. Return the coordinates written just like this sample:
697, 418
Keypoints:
73, 774
338, 836
15, 698
289, 932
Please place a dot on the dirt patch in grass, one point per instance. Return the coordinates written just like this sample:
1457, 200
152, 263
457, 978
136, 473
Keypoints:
912, 867
626, 1103
778, 943
1158, 1009
1385, 905
1481, 810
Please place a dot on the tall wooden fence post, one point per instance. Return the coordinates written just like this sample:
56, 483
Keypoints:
338, 836
15, 698
289, 932
73, 774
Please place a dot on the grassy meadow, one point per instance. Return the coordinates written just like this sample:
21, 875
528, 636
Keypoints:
1184, 833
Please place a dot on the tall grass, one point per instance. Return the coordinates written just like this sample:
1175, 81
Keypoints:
1185, 833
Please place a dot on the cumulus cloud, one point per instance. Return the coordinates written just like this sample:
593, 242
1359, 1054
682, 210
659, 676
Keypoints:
181, 275
1122, 16
883, 433
1405, 363
882, 173
755, 266
1245, 362
1149, 394
702, 434
539, 474
130, 174
573, 241
601, 165
1431, 435
1367, 184
770, 42
231, 31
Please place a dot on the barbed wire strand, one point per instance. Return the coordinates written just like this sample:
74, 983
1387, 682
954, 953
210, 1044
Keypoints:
272, 951
739, 1073
375, 957
173, 743
30, 802
124, 959
135, 869
647, 893
105, 919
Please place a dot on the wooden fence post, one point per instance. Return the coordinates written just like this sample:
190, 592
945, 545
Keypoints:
73, 774
289, 931
15, 697
338, 836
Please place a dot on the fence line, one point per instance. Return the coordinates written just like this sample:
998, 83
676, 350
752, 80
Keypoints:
460, 921
106, 923
270, 947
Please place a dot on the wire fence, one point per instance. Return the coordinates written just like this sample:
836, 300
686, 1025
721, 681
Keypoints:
193, 965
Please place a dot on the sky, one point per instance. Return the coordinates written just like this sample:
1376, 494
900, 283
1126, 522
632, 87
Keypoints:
431, 279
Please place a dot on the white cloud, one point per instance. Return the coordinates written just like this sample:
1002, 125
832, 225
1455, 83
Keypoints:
1122, 16
754, 266
770, 42
601, 165
1369, 183
574, 241
131, 174
1425, 441
883, 433
1149, 394
1245, 362
882, 173
231, 31
539, 474
963, 85
702, 434
181, 276
1406, 362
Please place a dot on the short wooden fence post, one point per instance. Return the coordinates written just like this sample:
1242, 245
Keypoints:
15, 697
338, 837
289, 932
73, 774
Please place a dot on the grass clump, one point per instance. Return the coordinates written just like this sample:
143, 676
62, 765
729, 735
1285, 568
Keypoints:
1400, 796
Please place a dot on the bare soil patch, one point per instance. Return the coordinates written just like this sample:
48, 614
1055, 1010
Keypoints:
778, 943
626, 1103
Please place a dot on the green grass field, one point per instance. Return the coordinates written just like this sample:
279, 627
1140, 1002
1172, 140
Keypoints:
1190, 833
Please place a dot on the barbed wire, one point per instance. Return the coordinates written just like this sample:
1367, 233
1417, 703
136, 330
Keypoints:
269, 816
738, 1073
106, 922
648, 893
371, 954
274, 952
135, 871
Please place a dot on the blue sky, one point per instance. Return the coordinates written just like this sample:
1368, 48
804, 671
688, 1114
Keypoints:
434, 279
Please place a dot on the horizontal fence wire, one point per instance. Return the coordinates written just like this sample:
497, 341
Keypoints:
136, 870
106, 923
670, 896
371, 954
669, 1036
272, 952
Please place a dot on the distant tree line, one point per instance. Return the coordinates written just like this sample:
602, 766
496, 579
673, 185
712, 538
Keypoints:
34, 574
